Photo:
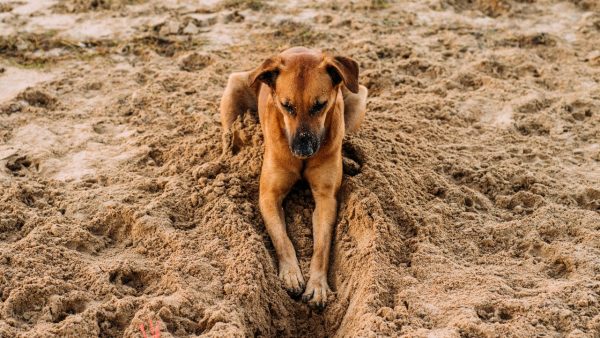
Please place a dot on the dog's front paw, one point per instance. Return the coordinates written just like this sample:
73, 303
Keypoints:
316, 292
292, 278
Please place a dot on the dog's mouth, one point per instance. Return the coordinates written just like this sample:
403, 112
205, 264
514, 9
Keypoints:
302, 156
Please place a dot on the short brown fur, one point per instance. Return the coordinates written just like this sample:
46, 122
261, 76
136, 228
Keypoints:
300, 143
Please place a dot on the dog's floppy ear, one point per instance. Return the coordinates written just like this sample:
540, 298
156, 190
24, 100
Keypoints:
267, 72
343, 69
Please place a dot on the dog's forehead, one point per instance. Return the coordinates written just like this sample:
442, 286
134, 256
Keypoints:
302, 72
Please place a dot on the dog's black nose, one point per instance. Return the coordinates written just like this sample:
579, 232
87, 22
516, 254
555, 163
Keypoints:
305, 144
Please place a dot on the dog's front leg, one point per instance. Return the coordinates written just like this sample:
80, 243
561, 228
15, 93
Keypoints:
274, 185
324, 184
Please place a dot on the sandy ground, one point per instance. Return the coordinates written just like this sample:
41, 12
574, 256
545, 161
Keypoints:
471, 198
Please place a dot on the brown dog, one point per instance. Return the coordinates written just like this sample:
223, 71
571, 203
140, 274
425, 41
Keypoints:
306, 102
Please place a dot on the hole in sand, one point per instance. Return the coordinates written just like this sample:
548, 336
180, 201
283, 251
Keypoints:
133, 281
558, 269
110, 324
18, 163
352, 160
67, 308
504, 315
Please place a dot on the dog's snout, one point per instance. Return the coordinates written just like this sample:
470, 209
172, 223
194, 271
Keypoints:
305, 144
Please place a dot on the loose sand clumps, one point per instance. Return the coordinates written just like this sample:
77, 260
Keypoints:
470, 201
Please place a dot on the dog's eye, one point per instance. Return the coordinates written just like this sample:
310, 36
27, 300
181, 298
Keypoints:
317, 107
288, 106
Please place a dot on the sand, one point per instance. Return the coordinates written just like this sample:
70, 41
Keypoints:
470, 205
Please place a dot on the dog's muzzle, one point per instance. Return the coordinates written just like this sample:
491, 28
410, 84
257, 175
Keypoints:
305, 144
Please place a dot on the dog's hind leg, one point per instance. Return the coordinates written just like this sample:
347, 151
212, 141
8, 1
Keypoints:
238, 97
355, 106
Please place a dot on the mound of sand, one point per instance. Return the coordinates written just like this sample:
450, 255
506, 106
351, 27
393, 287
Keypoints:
470, 205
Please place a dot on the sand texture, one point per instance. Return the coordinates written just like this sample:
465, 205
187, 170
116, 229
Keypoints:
470, 205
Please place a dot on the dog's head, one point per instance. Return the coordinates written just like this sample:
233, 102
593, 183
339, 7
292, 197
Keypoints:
304, 87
